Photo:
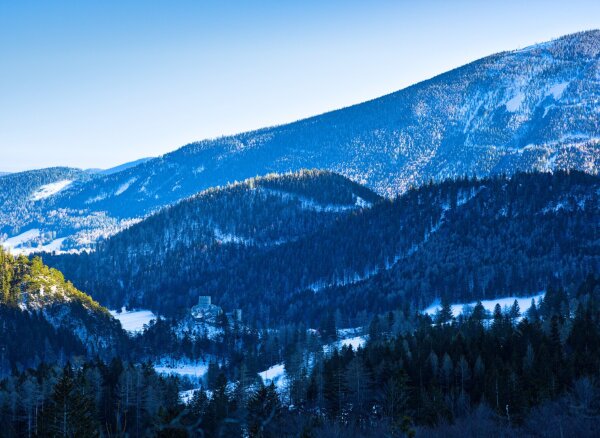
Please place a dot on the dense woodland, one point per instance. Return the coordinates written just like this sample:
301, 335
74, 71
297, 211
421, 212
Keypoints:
16, 206
45, 319
514, 111
313, 257
504, 374
462, 240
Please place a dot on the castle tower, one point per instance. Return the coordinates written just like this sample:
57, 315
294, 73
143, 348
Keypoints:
204, 301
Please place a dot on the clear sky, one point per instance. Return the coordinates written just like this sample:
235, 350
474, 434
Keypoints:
95, 84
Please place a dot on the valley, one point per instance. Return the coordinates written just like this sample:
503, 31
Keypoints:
421, 264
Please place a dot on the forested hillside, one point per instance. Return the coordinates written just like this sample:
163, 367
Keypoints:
506, 374
26, 224
21, 193
523, 110
46, 319
215, 230
461, 240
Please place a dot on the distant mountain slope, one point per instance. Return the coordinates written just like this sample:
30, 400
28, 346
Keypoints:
503, 238
40, 309
27, 223
22, 200
215, 230
123, 166
19, 189
531, 109
464, 240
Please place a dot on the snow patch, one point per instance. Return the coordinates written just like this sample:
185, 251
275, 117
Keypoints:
362, 203
48, 190
98, 198
515, 103
133, 321
489, 305
231, 238
124, 187
276, 375
355, 342
182, 367
557, 90
187, 396
15, 242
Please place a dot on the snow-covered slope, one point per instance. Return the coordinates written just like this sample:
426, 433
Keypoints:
464, 239
47, 190
535, 108
220, 225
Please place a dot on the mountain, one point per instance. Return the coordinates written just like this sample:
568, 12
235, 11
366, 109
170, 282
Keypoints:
212, 231
18, 189
270, 249
43, 314
123, 166
28, 225
530, 109
22, 196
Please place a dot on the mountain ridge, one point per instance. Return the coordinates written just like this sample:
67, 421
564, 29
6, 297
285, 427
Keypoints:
463, 239
529, 109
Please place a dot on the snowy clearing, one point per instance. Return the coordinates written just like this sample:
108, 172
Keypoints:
15, 242
355, 342
133, 321
123, 187
276, 375
29, 242
515, 103
186, 396
557, 90
182, 367
53, 246
505, 303
48, 190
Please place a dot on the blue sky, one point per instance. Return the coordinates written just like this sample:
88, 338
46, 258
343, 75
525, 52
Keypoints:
95, 84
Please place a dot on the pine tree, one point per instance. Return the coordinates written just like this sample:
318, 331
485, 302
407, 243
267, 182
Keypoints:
445, 314
5, 276
264, 410
498, 317
533, 313
478, 314
212, 374
335, 386
515, 312
375, 330
359, 385
396, 404
328, 328
71, 412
